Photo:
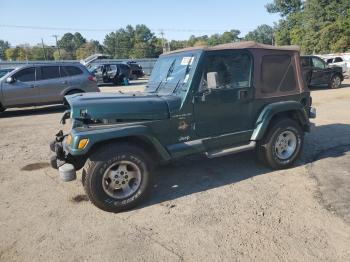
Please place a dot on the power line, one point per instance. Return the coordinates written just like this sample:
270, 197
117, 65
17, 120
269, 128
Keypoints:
107, 29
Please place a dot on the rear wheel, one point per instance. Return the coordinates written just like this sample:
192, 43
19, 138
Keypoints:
335, 82
116, 80
282, 145
75, 91
118, 177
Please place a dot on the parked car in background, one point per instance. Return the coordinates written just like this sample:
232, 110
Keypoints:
317, 73
114, 73
136, 70
337, 61
87, 61
5, 71
44, 84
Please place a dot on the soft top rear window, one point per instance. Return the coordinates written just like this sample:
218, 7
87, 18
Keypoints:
277, 74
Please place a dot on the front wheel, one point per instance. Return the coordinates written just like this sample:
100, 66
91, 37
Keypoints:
335, 82
118, 177
282, 145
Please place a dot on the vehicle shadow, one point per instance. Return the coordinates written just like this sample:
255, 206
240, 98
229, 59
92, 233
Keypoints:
197, 174
323, 88
31, 111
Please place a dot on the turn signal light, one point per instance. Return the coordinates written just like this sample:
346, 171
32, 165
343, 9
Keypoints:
82, 143
69, 140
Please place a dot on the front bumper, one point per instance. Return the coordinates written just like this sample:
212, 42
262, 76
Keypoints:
59, 159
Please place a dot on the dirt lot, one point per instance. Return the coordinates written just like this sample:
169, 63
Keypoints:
227, 209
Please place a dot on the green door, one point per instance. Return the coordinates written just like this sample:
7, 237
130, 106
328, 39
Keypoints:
225, 110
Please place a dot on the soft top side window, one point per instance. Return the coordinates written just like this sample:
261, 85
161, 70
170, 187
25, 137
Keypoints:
234, 70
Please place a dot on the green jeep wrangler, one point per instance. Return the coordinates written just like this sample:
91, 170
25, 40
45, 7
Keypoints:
203, 100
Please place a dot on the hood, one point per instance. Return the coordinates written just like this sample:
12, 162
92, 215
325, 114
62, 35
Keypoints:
130, 106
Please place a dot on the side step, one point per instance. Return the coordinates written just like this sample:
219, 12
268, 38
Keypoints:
232, 150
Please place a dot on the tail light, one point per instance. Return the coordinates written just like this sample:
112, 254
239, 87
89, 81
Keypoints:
92, 78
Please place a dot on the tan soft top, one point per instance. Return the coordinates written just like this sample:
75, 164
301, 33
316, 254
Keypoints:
237, 45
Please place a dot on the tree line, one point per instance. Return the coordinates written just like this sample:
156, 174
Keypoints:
317, 26
129, 42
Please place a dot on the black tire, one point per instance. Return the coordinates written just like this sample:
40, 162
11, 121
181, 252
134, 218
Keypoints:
335, 82
97, 166
266, 149
116, 80
74, 91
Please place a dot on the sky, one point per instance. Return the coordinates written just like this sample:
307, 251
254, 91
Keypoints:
94, 19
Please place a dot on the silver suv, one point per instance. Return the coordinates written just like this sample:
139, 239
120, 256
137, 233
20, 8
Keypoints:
44, 84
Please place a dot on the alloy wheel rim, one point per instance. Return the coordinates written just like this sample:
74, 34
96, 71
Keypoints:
121, 179
285, 145
336, 82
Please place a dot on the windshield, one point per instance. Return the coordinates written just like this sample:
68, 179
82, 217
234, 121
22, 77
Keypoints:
171, 74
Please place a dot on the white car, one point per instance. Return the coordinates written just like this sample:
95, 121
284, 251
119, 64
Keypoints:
337, 61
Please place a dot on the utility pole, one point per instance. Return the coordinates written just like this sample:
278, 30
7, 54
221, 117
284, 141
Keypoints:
163, 44
58, 49
42, 43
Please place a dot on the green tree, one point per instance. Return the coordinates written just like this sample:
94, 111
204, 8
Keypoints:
88, 49
78, 40
284, 7
70, 43
132, 42
11, 54
4, 45
317, 26
262, 34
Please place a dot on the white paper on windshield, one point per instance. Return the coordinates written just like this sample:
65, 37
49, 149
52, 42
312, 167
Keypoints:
187, 60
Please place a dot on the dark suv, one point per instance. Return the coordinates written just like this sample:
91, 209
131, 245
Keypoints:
136, 70
213, 101
317, 73
114, 73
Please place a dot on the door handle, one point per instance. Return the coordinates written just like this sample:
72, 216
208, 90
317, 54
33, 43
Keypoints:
64, 82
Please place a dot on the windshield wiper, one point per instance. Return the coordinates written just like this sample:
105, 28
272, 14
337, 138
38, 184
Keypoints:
160, 83
186, 72
170, 70
176, 86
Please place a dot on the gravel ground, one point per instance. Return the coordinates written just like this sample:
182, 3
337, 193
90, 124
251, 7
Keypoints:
225, 209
